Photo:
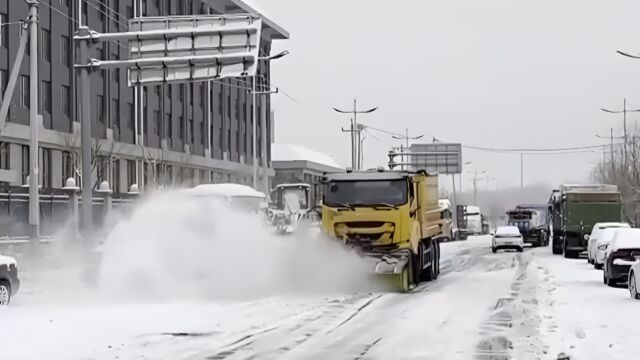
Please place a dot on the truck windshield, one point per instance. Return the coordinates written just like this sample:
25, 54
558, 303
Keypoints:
369, 192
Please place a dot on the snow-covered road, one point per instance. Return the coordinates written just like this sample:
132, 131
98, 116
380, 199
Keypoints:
485, 306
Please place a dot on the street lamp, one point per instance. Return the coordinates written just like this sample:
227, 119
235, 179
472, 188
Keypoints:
355, 129
254, 110
406, 137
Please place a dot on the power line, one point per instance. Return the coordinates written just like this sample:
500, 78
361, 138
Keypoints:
107, 15
525, 150
74, 20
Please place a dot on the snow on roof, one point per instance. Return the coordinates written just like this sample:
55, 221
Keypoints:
625, 239
290, 152
7, 260
228, 190
507, 230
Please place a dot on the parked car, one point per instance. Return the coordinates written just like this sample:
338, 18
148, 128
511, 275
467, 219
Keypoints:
634, 279
601, 245
621, 255
596, 233
507, 237
9, 281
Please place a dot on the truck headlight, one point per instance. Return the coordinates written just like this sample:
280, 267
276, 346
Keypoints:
586, 236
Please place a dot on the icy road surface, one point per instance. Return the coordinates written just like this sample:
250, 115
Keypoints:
484, 306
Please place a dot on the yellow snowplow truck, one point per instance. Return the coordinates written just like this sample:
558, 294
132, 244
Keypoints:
390, 217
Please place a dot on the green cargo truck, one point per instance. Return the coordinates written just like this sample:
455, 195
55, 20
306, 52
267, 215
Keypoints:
576, 208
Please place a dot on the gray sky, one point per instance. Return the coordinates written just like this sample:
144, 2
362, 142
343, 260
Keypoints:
495, 73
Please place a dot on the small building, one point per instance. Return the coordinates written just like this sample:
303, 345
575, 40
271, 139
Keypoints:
296, 164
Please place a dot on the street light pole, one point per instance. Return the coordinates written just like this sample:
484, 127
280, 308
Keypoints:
406, 138
34, 196
355, 163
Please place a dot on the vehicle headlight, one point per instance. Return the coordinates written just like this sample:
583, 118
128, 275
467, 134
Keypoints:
586, 236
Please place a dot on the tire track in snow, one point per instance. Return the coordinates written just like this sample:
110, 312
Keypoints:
262, 345
513, 330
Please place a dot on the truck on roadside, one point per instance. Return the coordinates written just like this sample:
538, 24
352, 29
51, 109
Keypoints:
468, 221
391, 218
531, 224
576, 209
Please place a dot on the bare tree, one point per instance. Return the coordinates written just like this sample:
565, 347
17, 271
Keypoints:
613, 169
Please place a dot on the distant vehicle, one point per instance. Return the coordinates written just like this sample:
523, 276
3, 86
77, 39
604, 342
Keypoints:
531, 225
600, 247
545, 211
634, 279
621, 255
290, 204
596, 233
507, 237
240, 197
468, 221
447, 219
576, 208
9, 281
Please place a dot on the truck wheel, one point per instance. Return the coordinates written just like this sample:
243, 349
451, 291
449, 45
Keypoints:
429, 273
5, 292
557, 249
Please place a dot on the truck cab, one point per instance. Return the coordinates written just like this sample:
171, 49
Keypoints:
390, 217
531, 225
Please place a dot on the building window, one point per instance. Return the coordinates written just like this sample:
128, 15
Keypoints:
3, 83
115, 113
116, 76
46, 168
169, 131
84, 12
100, 109
131, 172
46, 96
132, 116
46, 45
24, 91
25, 163
144, 7
181, 93
181, 125
202, 137
4, 31
65, 98
5, 156
156, 122
64, 2
68, 167
65, 51
191, 130
129, 12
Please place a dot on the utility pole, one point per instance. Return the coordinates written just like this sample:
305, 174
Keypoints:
85, 124
521, 171
624, 112
263, 137
613, 166
34, 194
406, 138
355, 164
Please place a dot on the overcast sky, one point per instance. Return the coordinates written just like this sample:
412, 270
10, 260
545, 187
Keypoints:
495, 73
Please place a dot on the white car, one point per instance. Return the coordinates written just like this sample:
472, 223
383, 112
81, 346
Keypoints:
9, 281
599, 252
597, 233
507, 237
621, 255
634, 279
